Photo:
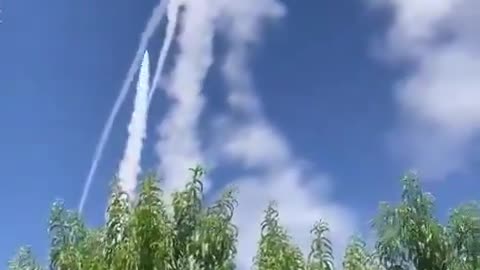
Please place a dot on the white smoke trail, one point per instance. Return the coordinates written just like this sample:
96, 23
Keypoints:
152, 24
130, 164
172, 16
179, 148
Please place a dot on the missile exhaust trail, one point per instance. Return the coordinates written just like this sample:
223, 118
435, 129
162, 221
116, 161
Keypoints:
172, 17
130, 165
152, 24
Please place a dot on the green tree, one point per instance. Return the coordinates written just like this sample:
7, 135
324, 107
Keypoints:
408, 234
356, 256
24, 260
276, 252
321, 254
68, 239
143, 235
464, 234
152, 231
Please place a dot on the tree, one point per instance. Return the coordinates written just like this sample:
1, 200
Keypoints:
321, 254
68, 239
356, 256
24, 260
151, 230
464, 234
408, 235
275, 251
143, 235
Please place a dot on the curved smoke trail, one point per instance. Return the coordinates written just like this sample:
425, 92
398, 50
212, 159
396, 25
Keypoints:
179, 145
172, 16
130, 164
152, 24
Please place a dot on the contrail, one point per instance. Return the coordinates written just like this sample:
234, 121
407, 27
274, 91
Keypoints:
130, 164
172, 16
179, 146
152, 24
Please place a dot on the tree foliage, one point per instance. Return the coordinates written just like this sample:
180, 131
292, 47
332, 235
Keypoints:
191, 235
275, 248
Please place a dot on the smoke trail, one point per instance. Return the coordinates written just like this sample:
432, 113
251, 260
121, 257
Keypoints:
152, 24
179, 148
279, 174
172, 15
130, 164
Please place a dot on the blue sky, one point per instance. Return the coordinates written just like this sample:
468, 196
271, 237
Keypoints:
353, 89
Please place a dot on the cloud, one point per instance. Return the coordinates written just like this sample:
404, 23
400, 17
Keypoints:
302, 196
415, 23
438, 100
302, 193
273, 150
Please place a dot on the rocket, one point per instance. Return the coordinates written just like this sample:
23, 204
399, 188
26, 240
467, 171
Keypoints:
144, 71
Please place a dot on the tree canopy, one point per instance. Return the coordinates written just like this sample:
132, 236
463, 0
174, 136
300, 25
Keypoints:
147, 235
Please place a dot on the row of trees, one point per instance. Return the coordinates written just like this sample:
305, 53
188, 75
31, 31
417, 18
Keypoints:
190, 235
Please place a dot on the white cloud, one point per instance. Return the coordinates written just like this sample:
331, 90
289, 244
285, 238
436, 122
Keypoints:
302, 194
299, 207
265, 148
302, 197
439, 100
416, 23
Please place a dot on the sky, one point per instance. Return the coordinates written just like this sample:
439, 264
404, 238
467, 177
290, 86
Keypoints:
319, 105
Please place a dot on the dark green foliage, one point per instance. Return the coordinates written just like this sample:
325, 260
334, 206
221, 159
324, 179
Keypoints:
151, 229
144, 235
